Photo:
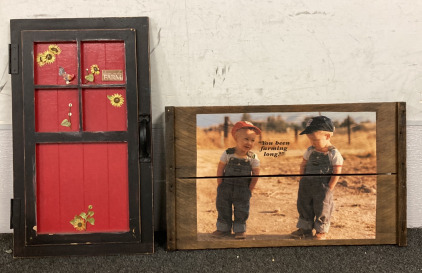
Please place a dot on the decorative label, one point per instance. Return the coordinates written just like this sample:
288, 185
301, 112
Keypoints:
112, 75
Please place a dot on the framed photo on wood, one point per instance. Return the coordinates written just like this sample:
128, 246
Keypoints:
81, 137
298, 175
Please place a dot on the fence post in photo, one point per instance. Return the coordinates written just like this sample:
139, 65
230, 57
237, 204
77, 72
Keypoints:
348, 129
226, 126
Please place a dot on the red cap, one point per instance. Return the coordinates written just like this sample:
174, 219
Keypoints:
247, 125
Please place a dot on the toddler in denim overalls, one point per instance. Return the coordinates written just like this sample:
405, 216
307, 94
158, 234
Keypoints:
315, 196
235, 183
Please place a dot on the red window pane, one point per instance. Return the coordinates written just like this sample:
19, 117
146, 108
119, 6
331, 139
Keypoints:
104, 110
56, 110
49, 58
103, 57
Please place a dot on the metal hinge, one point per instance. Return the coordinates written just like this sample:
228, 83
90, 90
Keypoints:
13, 59
15, 207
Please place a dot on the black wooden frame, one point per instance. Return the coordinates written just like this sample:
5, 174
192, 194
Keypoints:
134, 32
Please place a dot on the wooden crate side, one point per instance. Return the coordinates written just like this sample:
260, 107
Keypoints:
401, 175
185, 142
387, 138
186, 211
170, 180
387, 207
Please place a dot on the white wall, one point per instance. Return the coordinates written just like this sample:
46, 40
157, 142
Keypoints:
223, 52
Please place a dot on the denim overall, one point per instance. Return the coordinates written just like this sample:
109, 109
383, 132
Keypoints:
234, 192
315, 199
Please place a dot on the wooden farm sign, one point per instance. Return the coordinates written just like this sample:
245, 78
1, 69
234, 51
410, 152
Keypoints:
261, 176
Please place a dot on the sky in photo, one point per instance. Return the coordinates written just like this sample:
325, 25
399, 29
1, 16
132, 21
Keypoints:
207, 120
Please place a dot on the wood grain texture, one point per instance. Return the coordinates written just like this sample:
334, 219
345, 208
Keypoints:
170, 180
185, 142
387, 138
186, 215
387, 206
402, 175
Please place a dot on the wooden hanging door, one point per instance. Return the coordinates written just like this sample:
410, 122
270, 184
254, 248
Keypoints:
84, 143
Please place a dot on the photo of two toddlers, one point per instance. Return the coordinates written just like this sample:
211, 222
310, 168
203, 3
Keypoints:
311, 168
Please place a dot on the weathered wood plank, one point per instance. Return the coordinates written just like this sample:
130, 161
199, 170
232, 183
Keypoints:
170, 180
401, 173
387, 205
186, 211
387, 138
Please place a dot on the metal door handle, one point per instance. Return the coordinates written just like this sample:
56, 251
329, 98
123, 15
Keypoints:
144, 138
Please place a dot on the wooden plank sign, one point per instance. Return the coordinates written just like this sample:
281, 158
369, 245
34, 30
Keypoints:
260, 176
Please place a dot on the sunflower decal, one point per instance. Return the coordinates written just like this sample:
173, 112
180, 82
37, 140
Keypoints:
48, 56
55, 49
41, 59
95, 69
116, 100
79, 221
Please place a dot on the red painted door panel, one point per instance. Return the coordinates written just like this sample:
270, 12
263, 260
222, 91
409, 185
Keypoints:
53, 107
70, 177
49, 57
104, 109
105, 56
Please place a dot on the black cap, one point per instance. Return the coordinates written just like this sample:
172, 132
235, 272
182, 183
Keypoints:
320, 123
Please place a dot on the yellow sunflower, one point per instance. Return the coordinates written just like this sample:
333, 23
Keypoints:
49, 57
55, 49
95, 69
116, 100
41, 59
78, 223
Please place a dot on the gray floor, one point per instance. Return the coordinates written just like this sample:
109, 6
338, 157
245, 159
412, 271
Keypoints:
286, 259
